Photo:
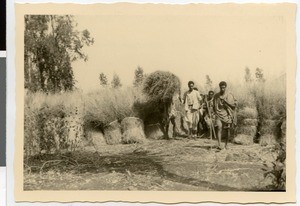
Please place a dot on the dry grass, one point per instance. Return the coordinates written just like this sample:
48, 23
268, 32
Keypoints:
107, 105
53, 113
51, 119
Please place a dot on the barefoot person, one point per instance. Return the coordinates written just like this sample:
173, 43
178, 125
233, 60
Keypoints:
172, 113
224, 109
208, 113
191, 100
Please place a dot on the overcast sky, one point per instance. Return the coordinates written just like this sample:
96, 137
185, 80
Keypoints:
190, 46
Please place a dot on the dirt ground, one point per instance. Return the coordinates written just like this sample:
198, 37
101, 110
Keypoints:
172, 165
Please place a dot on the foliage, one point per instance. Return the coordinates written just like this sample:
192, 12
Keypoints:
52, 43
208, 84
278, 170
248, 76
138, 76
103, 79
116, 82
259, 75
160, 86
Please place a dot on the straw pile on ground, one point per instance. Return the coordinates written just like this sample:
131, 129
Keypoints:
247, 126
96, 137
112, 133
153, 131
270, 132
132, 130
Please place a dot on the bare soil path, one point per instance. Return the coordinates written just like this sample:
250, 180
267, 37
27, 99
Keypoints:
172, 165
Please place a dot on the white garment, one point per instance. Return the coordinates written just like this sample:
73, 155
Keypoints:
192, 98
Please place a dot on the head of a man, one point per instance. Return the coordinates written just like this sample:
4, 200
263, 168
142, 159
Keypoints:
223, 86
210, 95
191, 85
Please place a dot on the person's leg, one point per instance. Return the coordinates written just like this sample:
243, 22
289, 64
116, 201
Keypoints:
200, 125
228, 135
164, 126
195, 121
174, 126
167, 129
219, 131
189, 118
207, 122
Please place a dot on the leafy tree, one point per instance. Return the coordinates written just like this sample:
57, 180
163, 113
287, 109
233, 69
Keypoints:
138, 76
208, 83
116, 82
248, 76
103, 79
52, 43
259, 75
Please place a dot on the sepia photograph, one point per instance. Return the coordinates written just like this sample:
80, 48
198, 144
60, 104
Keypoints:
168, 98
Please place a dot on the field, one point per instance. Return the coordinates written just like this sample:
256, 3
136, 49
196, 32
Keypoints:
181, 164
65, 148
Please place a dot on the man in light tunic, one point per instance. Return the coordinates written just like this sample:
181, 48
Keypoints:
224, 109
191, 101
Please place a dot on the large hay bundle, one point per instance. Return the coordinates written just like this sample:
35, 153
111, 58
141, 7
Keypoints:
149, 111
270, 127
247, 113
247, 130
133, 130
161, 86
249, 122
112, 133
267, 140
153, 131
97, 139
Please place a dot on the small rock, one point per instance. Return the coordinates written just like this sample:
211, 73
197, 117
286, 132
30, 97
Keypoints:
243, 139
229, 157
132, 188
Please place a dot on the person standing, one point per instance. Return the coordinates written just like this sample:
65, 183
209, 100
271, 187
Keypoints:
208, 113
191, 101
224, 105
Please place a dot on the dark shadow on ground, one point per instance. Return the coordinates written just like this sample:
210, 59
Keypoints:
136, 163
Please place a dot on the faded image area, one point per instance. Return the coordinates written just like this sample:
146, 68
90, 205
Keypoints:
155, 102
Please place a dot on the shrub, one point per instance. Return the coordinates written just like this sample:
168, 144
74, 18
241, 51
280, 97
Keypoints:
52, 123
278, 170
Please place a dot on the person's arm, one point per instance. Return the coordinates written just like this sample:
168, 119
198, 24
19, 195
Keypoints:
184, 97
233, 102
214, 103
200, 100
